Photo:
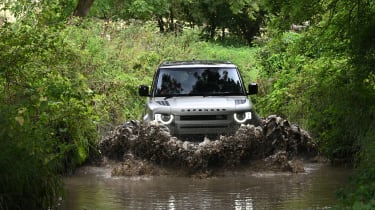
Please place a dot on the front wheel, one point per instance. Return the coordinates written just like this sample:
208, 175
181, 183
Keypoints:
255, 120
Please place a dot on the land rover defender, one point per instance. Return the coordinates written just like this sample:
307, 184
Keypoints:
199, 97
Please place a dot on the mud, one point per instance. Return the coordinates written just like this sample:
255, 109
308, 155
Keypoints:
148, 149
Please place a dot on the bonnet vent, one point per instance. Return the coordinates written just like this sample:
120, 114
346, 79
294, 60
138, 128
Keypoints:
163, 103
240, 101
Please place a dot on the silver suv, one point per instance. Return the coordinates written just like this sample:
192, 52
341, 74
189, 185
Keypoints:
199, 97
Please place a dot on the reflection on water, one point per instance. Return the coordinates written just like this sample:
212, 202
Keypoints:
93, 188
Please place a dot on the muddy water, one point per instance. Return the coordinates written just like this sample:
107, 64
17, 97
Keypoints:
94, 188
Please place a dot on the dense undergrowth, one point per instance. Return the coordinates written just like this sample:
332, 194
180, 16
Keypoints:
331, 92
64, 85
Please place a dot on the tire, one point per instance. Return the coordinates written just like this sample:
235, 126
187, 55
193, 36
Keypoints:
255, 120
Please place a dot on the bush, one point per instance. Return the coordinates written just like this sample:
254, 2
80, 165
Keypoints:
47, 120
325, 88
28, 177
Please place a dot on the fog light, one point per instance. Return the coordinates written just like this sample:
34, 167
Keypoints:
164, 118
242, 117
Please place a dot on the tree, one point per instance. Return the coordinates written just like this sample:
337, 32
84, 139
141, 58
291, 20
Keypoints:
284, 13
83, 7
247, 19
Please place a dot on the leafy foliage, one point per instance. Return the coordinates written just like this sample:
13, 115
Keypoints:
27, 179
323, 78
48, 124
238, 18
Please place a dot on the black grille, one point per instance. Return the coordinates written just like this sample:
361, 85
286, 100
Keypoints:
204, 126
202, 117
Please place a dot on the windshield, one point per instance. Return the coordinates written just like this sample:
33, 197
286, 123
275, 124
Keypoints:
198, 81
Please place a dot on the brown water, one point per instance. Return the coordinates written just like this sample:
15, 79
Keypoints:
94, 188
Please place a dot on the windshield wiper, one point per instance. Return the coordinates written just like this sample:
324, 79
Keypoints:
212, 94
221, 94
226, 94
169, 96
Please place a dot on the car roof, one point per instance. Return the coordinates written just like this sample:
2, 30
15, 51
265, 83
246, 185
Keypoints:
196, 64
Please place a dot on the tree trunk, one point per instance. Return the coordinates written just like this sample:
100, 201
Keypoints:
83, 8
161, 24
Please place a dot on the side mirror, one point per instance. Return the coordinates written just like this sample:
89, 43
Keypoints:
143, 90
253, 89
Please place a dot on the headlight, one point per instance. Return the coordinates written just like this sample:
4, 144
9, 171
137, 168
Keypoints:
164, 118
242, 117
